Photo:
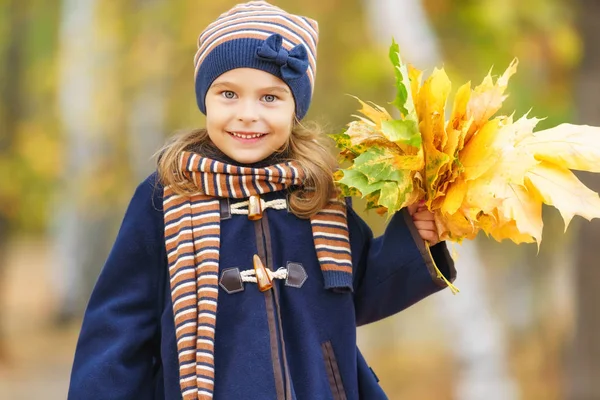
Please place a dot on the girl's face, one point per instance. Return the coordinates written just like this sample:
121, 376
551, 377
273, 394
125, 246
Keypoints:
249, 114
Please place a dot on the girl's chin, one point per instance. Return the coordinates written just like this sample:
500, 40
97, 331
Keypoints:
246, 157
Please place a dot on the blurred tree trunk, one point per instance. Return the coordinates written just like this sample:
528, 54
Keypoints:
584, 374
477, 335
73, 231
146, 131
405, 21
147, 115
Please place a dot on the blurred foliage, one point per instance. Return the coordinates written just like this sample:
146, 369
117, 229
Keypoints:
475, 35
144, 41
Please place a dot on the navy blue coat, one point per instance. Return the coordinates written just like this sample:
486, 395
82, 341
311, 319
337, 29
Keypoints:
288, 343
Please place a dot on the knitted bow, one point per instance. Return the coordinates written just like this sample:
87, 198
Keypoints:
293, 63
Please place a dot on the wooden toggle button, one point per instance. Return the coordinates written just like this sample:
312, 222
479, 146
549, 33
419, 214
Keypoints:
254, 208
262, 277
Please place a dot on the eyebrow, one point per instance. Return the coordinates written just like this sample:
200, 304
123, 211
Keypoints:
233, 85
277, 89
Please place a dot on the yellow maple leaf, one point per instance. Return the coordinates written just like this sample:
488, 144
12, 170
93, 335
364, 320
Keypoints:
559, 187
454, 197
430, 104
572, 146
415, 76
480, 154
363, 135
492, 227
487, 98
375, 114
455, 227
458, 125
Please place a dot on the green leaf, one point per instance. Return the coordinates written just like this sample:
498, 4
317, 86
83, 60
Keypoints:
393, 194
402, 131
377, 165
402, 90
347, 191
342, 140
403, 101
355, 179
388, 197
372, 201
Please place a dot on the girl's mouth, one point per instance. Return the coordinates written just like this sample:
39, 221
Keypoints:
247, 135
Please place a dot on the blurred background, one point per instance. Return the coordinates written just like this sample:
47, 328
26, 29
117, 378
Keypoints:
90, 89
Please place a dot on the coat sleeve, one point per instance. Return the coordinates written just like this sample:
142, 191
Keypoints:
395, 270
117, 350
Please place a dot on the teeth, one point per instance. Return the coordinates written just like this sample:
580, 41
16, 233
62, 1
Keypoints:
256, 135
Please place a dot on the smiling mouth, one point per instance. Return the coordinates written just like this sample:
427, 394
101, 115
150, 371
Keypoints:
247, 135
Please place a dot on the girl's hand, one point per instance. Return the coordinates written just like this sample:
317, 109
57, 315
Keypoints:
424, 221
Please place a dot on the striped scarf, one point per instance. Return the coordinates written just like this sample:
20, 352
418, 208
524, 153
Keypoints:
192, 237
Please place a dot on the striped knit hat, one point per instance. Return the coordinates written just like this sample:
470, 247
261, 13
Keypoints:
261, 36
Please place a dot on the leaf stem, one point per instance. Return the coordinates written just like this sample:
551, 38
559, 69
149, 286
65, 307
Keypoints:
453, 288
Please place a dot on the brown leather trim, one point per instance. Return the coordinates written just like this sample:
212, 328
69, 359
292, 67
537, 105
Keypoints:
296, 275
277, 371
268, 244
423, 250
231, 281
224, 208
333, 372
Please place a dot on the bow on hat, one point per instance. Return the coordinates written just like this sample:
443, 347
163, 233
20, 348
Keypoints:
293, 63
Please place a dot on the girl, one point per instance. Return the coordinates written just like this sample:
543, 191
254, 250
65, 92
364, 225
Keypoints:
237, 273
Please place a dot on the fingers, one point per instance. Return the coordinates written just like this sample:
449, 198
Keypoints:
422, 214
425, 226
430, 236
416, 207
412, 209
424, 221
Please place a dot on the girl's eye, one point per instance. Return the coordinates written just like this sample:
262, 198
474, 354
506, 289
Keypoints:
269, 98
228, 94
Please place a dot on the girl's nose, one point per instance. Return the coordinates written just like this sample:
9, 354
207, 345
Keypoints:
247, 111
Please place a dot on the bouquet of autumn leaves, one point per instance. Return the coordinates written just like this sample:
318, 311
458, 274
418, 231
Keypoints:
474, 172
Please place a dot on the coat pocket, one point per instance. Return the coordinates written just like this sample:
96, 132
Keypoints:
333, 372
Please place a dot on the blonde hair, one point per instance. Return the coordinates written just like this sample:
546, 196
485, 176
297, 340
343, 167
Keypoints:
307, 145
